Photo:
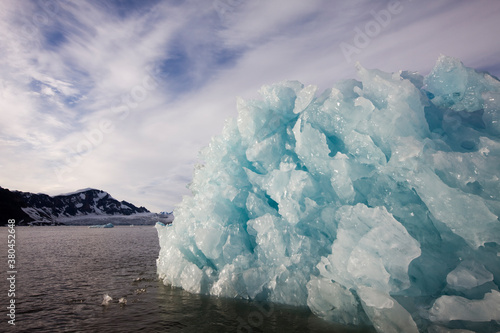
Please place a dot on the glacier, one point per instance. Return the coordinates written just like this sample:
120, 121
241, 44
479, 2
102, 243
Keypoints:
375, 202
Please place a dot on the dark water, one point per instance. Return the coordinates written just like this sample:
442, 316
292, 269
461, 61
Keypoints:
64, 272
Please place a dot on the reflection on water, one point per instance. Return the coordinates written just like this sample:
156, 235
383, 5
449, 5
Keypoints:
64, 273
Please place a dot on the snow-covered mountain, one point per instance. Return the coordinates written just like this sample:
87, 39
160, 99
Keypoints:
28, 207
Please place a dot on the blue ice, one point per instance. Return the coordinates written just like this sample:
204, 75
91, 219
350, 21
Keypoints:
375, 202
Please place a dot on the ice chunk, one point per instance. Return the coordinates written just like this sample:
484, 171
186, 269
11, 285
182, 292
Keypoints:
372, 249
210, 241
455, 86
334, 302
468, 274
448, 308
386, 314
457, 209
304, 98
269, 235
311, 148
375, 202
341, 181
106, 299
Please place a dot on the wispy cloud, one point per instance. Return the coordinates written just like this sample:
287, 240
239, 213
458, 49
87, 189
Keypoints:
121, 95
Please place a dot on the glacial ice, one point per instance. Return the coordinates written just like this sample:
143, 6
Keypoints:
376, 202
106, 299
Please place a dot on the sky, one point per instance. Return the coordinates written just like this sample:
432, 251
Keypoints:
121, 95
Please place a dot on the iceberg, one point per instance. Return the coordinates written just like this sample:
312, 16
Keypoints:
376, 202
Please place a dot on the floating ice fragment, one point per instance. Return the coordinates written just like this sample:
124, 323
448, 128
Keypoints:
106, 299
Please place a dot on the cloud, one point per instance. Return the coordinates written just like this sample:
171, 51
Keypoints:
122, 95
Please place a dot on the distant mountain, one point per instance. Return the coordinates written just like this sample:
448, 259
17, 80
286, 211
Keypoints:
11, 207
27, 207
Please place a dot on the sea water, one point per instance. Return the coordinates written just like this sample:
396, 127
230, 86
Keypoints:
64, 272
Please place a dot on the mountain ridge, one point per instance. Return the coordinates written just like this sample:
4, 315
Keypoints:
28, 208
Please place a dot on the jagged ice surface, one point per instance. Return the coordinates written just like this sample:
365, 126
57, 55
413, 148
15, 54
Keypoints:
373, 203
